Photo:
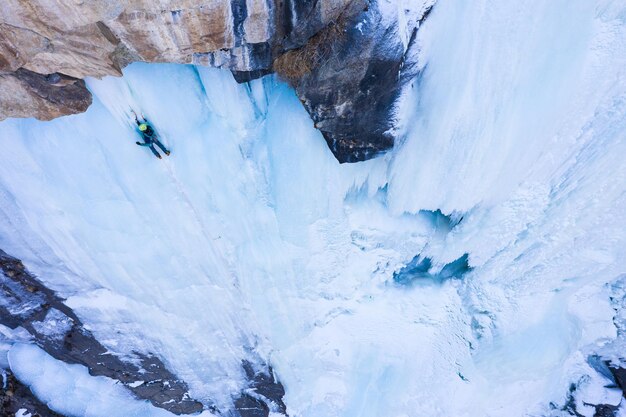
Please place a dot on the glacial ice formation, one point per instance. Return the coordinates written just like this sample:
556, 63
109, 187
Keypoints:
251, 241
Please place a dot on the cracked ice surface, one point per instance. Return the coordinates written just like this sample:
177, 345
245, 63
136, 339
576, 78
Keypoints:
251, 236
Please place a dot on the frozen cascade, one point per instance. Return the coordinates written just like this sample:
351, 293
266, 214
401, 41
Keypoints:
251, 241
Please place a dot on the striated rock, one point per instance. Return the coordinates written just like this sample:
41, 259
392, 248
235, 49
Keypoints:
345, 58
94, 38
26, 303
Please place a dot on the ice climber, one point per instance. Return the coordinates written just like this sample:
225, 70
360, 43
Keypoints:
149, 137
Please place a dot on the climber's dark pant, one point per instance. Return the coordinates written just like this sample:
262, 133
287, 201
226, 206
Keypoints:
157, 142
154, 151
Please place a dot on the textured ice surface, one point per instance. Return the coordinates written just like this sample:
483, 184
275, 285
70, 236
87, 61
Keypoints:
250, 236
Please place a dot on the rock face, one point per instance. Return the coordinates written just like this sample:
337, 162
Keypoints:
24, 93
97, 38
264, 393
350, 74
26, 303
344, 57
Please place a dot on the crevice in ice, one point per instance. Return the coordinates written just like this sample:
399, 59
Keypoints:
422, 268
439, 219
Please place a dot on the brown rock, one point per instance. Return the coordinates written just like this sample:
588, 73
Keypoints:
24, 93
78, 38
98, 38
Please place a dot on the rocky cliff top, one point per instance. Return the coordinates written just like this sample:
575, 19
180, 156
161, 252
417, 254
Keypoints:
344, 57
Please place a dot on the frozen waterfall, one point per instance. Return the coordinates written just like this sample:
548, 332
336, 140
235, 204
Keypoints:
252, 242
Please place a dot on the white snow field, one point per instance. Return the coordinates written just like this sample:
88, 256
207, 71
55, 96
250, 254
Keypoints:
251, 237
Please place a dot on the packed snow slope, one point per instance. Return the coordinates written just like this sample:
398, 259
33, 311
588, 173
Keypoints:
250, 240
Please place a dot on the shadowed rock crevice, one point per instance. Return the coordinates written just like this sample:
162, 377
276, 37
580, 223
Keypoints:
349, 77
27, 303
264, 393
619, 374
